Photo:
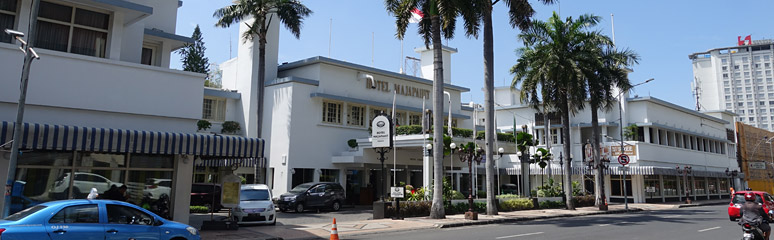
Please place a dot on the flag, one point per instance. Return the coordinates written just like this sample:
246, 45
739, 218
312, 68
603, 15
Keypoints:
416, 16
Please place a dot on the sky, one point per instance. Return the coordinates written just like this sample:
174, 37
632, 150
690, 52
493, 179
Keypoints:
662, 32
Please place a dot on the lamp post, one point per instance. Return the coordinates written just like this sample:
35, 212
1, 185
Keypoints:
500, 152
603, 165
561, 166
685, 170
452, 146
469, 153
29, 55
539, 157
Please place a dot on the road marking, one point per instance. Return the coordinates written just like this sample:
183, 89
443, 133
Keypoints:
712, 228
673, 216
520, 235
604, 225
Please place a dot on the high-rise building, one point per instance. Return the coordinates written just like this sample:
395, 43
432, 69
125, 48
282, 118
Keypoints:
737, 79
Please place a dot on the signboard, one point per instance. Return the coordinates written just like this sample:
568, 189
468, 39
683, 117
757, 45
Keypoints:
650, 189
623, 159
381, 131
757, 165
397, 192
230, 191
630, 150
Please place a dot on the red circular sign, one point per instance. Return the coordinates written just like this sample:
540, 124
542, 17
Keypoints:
623, 159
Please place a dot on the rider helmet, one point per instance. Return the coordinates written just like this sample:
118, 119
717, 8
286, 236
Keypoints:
749, 197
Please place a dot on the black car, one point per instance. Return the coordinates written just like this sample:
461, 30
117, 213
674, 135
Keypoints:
206, 194
312, 195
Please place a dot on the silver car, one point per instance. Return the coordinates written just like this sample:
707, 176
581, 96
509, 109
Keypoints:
255, 205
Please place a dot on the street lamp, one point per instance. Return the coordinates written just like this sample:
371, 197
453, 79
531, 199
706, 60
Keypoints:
500, 152
452, 146
539, 157
685, 171
470, 153
29, 55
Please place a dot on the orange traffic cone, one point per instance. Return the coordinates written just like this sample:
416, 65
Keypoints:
334, 231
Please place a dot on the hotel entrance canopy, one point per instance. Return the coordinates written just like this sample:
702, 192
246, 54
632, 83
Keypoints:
71, 138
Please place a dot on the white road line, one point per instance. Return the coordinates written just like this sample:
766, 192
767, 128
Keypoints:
604, 225
520, 235
712, 228
672, 216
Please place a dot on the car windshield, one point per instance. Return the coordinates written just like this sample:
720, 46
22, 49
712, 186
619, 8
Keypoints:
739, 198
254, 195
24, 213
301, 188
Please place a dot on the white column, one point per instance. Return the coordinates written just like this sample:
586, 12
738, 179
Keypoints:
427, 171
181, 198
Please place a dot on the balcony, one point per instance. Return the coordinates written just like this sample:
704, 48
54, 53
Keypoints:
70, 81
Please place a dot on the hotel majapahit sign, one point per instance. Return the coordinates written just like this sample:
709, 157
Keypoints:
381, 131
404, 90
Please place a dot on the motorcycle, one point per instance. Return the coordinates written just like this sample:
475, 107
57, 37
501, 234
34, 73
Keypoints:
750, 231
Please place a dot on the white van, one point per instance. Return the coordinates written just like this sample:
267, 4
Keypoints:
255, 205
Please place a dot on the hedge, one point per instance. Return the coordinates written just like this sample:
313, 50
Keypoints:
503, 137
456, 132
583, 201
515, 204
551, 204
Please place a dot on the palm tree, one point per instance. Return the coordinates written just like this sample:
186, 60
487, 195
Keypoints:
557, 58
290, 13
611, 72
519, 12
440, 18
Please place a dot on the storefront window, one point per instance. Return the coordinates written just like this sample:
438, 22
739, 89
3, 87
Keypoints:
101, 160
652, 181
46, 158
616, 185
34, 186
723, 185
329, 175
151, 190
302, 175
152, 161
670, 186
102, 180
701, 188
712, 185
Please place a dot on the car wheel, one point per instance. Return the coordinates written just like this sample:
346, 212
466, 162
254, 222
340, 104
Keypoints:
283, 210
336, 206
299, 207
733, 219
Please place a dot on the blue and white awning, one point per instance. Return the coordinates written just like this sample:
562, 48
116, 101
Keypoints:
68, 138
228, 162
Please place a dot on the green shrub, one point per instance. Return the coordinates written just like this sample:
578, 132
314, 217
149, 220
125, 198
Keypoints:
411, 209
230, 127
515, 204
508, 196
198, 209
457, 195
203, 125
583, 201
551, 204
408, 130
503, 137
550, 189
352, 143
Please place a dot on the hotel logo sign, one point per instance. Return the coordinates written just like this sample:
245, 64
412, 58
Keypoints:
381, 131
404, 90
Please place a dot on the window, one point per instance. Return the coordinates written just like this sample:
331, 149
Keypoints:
725, 75
71, 29
762, 103
767, 65
88, 213
555, 136
400, 118
725, 68
728, 98
331, 112
751, 119
746, 74
415, 119
736, 67
741, 104
768, 72
724, 61
746, 67
356, 116
148, 55
118, 214
744, 59
757, 58
766, 57
748, 89
214, 109
7, 18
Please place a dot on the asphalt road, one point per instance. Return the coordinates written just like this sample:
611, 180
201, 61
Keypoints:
709, 222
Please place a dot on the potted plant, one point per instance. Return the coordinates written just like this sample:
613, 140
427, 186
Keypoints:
230, 127
352, 144
203, 125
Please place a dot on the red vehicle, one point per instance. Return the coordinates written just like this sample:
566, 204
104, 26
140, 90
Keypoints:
736, 202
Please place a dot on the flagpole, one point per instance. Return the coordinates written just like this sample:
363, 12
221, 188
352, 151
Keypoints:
401, 57
395, 148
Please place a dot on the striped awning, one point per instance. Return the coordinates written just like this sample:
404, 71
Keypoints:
58, 137
576, 170
227, 162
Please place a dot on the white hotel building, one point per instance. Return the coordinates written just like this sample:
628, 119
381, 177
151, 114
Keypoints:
737, 79
103, 108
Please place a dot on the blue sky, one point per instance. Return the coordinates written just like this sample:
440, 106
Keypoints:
662, 32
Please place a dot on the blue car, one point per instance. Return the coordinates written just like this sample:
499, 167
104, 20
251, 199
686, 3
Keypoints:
83, 219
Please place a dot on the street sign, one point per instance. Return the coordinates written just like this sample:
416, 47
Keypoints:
757, 165
397, 192
623, 159
650, 189
381, 131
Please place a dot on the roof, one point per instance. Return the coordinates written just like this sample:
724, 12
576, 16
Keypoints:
677, 107
754, 43
353, 66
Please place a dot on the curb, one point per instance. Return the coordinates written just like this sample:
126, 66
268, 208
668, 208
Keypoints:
521, 219
701, 204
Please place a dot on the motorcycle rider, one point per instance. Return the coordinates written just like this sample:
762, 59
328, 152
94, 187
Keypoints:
753, 213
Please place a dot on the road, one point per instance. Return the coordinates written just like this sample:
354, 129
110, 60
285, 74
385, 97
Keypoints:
708, 222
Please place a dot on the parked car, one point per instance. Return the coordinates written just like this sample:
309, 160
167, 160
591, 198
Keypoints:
255, 205
763, 198
206, 194
313, 195
92, 220
82, 184
509, 188
155, 187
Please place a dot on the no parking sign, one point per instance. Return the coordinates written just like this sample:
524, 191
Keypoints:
623, 159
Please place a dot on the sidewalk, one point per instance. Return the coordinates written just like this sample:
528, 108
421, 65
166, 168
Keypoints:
355, 228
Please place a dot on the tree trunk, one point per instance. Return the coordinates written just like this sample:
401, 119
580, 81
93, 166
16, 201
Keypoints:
491, 204
567, 150
598, 176
436, 210
261, 81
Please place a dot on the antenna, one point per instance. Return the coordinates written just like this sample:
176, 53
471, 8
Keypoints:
412, 66
612, 22
696, 90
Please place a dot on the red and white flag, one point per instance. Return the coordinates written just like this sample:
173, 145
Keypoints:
416, 16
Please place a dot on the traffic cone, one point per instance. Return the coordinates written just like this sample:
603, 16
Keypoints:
334, 231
